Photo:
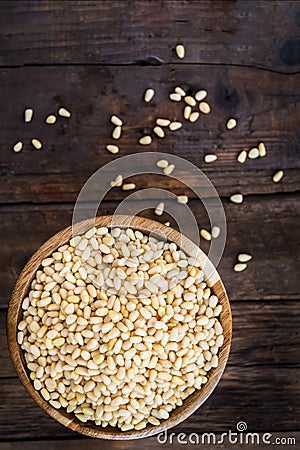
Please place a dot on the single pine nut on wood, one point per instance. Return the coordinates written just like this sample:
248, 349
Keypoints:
128, 187
159, 209
210, 158
63, 112
145, 140
239, 267
163, 122
36, 144
115, 120
190, 100
253, 153
112, 149
278, 176
231, 123
28, 114
117, 131
180, 51
175, 97
180, 91
149, 94
117, 182
18, 147
262, 149
205, 234
128, 337
51, 119
242, 156
169, 169
200, 95
159, 132
244, 257
204, 108
175, 126
236, 198
194, 116
187, 112
182, 199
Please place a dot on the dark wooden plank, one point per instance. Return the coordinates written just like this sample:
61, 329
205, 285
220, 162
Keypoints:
266, 111
266, 398
122, 32
175, 442
260, 336
261, 226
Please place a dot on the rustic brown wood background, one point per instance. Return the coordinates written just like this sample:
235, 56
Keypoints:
97, 58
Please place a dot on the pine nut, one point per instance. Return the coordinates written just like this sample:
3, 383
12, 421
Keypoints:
159, 209
149, 94
180, 91
215, 232
112, 149
117, 131
262, 149
36, 144
278, 176
190, 100
239, 267
180, 51
194, 116
145, 140
231, 123
237, 198
18, 147
244, 257
210, 158
187, 112
182, 199
63, 112
242, 156
175, 126
115, 120
159, 132
51, 119
163, 122
175, 97
253, 153
28, 114
128, 187
204, 108
205, 234
162, 163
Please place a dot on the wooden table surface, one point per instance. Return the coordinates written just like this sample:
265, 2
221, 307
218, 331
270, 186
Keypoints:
97, 58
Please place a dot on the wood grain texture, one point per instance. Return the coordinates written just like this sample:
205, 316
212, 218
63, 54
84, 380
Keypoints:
265, 221
265, 397
175, 442
144, 32
93, 94
260, 336
22, 287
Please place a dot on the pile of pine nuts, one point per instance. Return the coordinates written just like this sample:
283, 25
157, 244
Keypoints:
119, 328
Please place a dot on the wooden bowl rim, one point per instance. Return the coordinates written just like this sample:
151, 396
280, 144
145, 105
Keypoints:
190, 404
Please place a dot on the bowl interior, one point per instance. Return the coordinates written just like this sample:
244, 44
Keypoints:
22, 287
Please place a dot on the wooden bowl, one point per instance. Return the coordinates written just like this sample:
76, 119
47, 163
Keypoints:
22, 287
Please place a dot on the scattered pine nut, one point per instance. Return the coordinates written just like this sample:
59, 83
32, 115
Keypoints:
145, 140
159, 132
175, 97
215, 232
190, 100
18, 147
200, 95
210, 158
205, 234
168, 170
112, 149
63, 112
262, 149
149, 94
194, 116
28, 114
244, 257
204, 108
162, 163
182, 199
175, 126
159, 209
180, 51
237, 198
163, 122
128, 186
117, 182
116, 134
50, 120
239, 267
36, 143
253, 153
278, 176
116, 121
167, 224
180, 91
187, 112
242, 156
231, 123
